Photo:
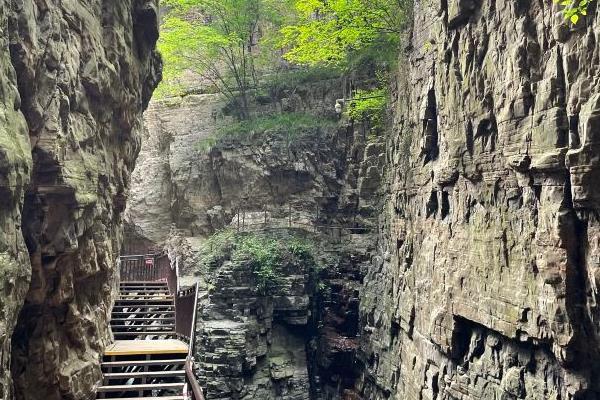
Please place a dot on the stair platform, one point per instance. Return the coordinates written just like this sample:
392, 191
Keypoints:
144, 347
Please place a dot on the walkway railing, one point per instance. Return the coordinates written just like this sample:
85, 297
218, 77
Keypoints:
157, 267
263, 220
148, 267
189, 325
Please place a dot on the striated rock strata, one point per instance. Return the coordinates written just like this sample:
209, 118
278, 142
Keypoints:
485, 286
298, 346
15, 169
75, 78
184, 181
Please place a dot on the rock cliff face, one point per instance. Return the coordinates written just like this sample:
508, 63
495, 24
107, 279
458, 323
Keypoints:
251, 343
74, 81
15, 168
294, 346
200, 190
485, 286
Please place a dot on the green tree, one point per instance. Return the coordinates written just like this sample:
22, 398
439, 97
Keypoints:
216, 39
330, 32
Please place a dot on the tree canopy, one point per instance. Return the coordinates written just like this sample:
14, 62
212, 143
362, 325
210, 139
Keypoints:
216, 39
327, 32
233, 44
219, 39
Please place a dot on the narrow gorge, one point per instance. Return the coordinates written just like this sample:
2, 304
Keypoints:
372, 200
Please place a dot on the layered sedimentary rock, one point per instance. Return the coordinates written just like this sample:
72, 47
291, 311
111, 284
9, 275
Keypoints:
251, 346
75, 79
486, 281
184, 181
15, 168
295, 340
250, 341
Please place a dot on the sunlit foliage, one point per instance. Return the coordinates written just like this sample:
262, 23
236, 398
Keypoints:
573, 10
216, 39
329, 32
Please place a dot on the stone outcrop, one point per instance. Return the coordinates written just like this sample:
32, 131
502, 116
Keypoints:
198, 188
295, 341
251, 346
485, 285
15, 169
74, 81
251, 343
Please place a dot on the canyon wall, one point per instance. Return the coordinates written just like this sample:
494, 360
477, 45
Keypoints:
15, 168
75, 79
198, 188
485, 286
251, 345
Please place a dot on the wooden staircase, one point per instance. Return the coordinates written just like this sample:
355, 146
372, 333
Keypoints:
144, 310
148, 359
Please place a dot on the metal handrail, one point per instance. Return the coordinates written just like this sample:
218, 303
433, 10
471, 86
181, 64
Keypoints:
190, 377
137, 268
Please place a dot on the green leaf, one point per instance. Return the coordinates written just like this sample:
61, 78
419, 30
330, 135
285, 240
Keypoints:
330, 32
574, 18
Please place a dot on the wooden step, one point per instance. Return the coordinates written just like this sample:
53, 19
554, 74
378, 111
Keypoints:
133, 305
144, 302
138, 319
135, 388
147, 347
145, 374
166, 299
130, 310
161, 313
145, 306
144, 297
142, 363
151, 398
144, 293
145, 287
147, 294
136, 328
144, 283
143, 313
145, 333
141, 323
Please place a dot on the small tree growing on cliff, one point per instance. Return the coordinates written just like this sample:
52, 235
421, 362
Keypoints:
217, 40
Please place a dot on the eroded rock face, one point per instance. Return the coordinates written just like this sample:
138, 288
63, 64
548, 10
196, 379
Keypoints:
15, 167
486, 282
85, 73
291, 347
183, 181
251, 343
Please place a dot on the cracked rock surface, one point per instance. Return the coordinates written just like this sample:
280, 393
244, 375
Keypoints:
75, 78
485, 286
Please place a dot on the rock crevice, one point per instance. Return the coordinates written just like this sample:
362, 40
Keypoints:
76, 79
